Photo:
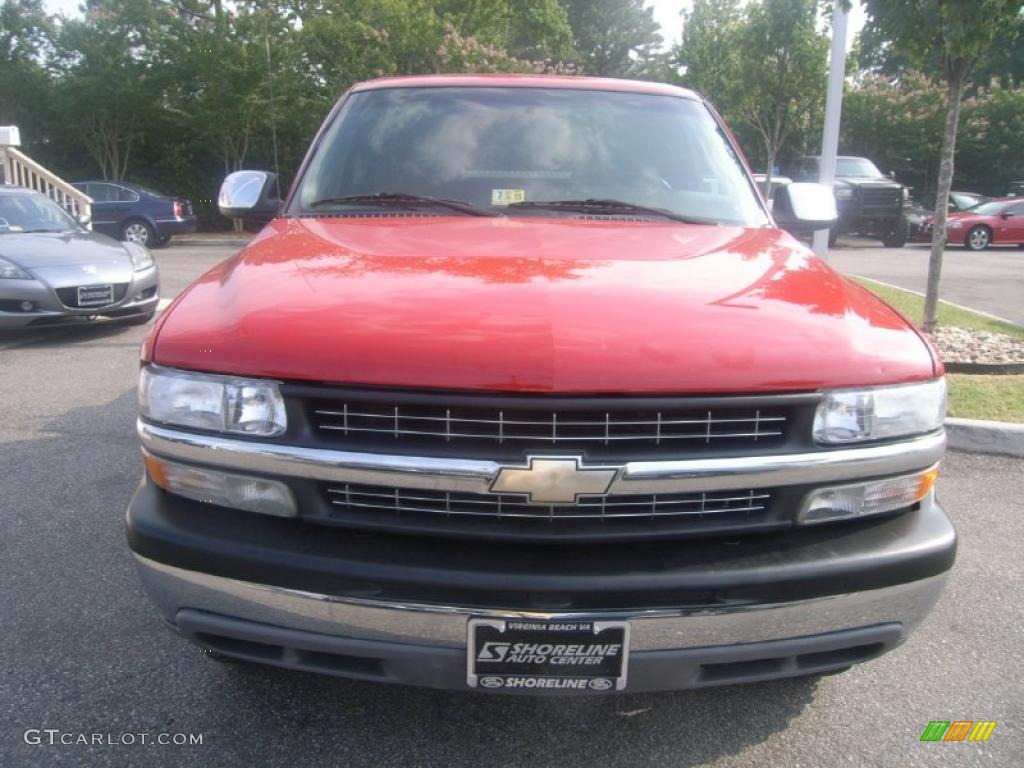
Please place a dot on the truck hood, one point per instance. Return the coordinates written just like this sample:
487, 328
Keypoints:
536, 304
865, 181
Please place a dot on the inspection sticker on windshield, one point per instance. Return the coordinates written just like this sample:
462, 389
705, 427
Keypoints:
524, 654
507, 196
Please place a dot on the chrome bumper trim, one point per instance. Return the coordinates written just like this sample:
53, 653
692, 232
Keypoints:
474, 476
444, 626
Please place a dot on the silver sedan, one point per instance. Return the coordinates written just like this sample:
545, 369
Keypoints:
54, 272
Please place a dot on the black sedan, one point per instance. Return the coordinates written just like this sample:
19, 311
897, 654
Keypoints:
136, 214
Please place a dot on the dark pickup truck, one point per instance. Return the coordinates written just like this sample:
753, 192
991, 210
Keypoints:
869, 202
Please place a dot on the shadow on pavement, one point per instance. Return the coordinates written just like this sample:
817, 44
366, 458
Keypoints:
58, 335
404, 726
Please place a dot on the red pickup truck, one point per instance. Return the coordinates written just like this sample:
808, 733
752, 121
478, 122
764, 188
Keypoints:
522, 387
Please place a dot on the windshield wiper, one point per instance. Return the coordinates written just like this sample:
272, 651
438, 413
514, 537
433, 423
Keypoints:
404, 199
610, 206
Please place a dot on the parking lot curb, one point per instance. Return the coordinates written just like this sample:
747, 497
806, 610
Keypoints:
976, 436
199, 241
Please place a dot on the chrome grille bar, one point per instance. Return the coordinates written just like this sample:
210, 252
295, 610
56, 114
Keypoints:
476, 475
499, 506
550, 428
519, 422
706, 436
698, 499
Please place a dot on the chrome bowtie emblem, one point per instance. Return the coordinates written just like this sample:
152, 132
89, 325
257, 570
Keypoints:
554, 480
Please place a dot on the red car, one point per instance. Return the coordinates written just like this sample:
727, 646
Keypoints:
994, 222
523, 388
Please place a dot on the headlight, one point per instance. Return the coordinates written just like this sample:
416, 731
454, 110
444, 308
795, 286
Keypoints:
855, 415
141, 258
218, 403
13, 271
843, 193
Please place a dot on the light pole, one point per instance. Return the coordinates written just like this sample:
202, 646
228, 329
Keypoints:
833, 111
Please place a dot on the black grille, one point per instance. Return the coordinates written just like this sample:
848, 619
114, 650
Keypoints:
517, 426
69, 296
880, 201
510, 516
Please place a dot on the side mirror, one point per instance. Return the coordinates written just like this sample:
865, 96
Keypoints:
249, 195
83, 220
891, 174
803, 207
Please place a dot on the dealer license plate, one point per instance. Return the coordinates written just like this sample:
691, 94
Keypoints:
539, 656
95, 295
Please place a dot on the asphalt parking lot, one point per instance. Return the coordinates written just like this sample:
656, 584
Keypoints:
992, 281
83, 651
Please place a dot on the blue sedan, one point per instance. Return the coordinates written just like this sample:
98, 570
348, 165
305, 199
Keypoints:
136, 214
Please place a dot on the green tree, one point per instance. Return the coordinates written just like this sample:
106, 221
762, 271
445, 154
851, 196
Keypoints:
25, 36
956, 35
785, 67
1003, 60
109, 79
764, 65
709, 51
897, 122
346, 41
614, 38
991, 126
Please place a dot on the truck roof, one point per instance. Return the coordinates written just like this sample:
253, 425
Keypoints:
527, 81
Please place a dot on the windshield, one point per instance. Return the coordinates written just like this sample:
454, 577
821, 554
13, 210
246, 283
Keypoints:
33, 213
989, 209
856, 166
150, 192
965, 200
498, 147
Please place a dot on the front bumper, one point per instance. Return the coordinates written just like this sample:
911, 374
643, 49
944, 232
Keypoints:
141, 298
389, 608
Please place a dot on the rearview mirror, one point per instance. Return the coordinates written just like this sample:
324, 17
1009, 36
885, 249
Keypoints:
804, 207
249, 195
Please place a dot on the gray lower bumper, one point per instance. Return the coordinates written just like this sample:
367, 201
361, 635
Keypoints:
48, 309
426, 644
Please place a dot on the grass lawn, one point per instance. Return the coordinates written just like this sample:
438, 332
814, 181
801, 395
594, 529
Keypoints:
999, 398
912, 305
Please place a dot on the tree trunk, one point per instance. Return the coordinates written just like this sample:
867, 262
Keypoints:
931, 301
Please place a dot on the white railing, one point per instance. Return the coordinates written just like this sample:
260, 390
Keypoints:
20, 170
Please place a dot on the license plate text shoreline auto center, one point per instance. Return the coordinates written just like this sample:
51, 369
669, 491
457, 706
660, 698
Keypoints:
536, 653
